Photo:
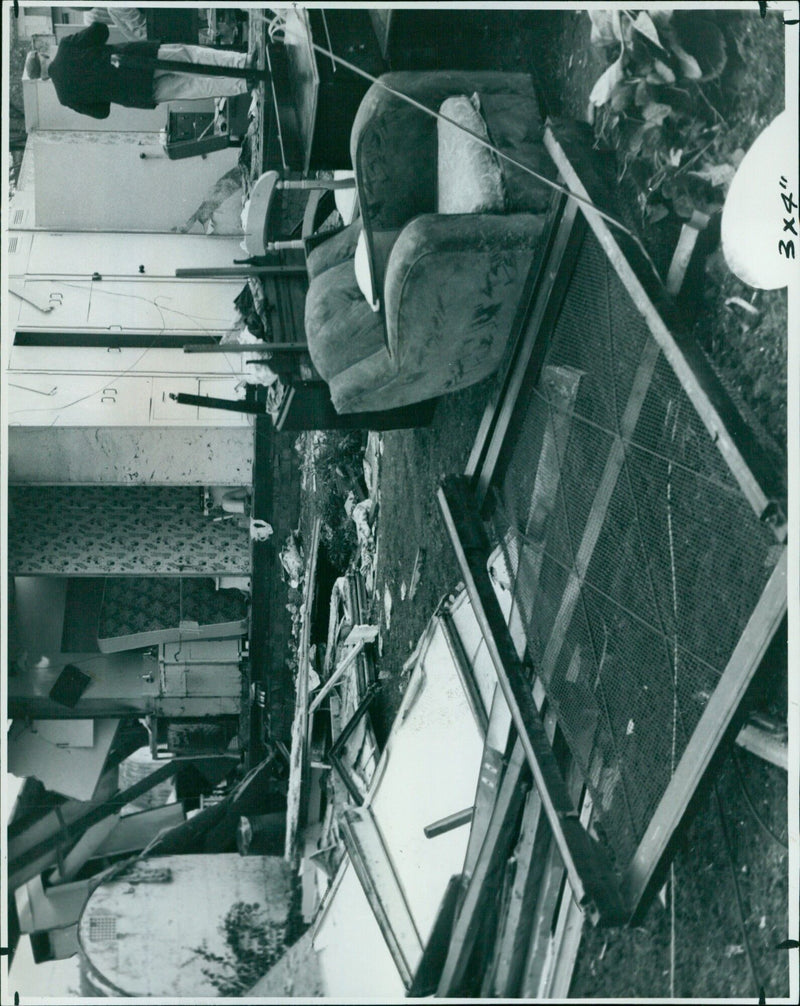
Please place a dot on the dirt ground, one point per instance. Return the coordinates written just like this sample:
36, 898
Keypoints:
730, 873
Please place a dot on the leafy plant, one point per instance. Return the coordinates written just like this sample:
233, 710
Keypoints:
252, 945
651, 106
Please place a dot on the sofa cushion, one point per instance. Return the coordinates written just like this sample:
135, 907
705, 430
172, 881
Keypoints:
341, 328
515, 127
468, 173
334, 250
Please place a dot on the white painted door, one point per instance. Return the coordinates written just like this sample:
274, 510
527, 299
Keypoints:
167, 412
78, 400
69, 399
160, 306
118, 360
54, 304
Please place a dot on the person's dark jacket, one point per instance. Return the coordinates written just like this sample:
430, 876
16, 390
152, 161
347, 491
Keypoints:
87, 80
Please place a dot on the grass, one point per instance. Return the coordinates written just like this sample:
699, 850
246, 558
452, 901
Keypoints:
711, 958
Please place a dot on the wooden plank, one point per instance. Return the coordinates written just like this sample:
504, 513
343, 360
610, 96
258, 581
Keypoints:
378, 878
590, 874
717, 715
562, 952
345, 665
429, 969
600, 505
766, 744
42, 707
548, 299
239, 270
553, 898
449, 823
516, 925
550, 890
489, 779
493, 855
684, 250
491, 931
566, 943
699, 382
465, 671
239, 347
73, 830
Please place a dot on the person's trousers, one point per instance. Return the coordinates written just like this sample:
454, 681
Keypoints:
171, 86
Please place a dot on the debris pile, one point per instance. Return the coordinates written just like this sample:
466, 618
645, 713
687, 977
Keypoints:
291, 558
342, 749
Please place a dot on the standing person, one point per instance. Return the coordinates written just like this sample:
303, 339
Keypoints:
89, 75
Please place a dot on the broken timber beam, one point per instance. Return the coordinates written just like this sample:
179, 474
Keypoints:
429, 969
489, 778
493, 855
593, 882
514, 929
74, 829
449, 823
335, 677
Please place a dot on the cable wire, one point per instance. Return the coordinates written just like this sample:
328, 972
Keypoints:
752, 807
735, 878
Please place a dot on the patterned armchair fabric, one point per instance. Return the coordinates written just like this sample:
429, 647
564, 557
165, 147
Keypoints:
451, 283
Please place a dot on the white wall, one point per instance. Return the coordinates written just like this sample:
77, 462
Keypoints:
118, 189
117, 254
117, 455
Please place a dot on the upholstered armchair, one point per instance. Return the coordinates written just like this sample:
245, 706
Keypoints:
447, 231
